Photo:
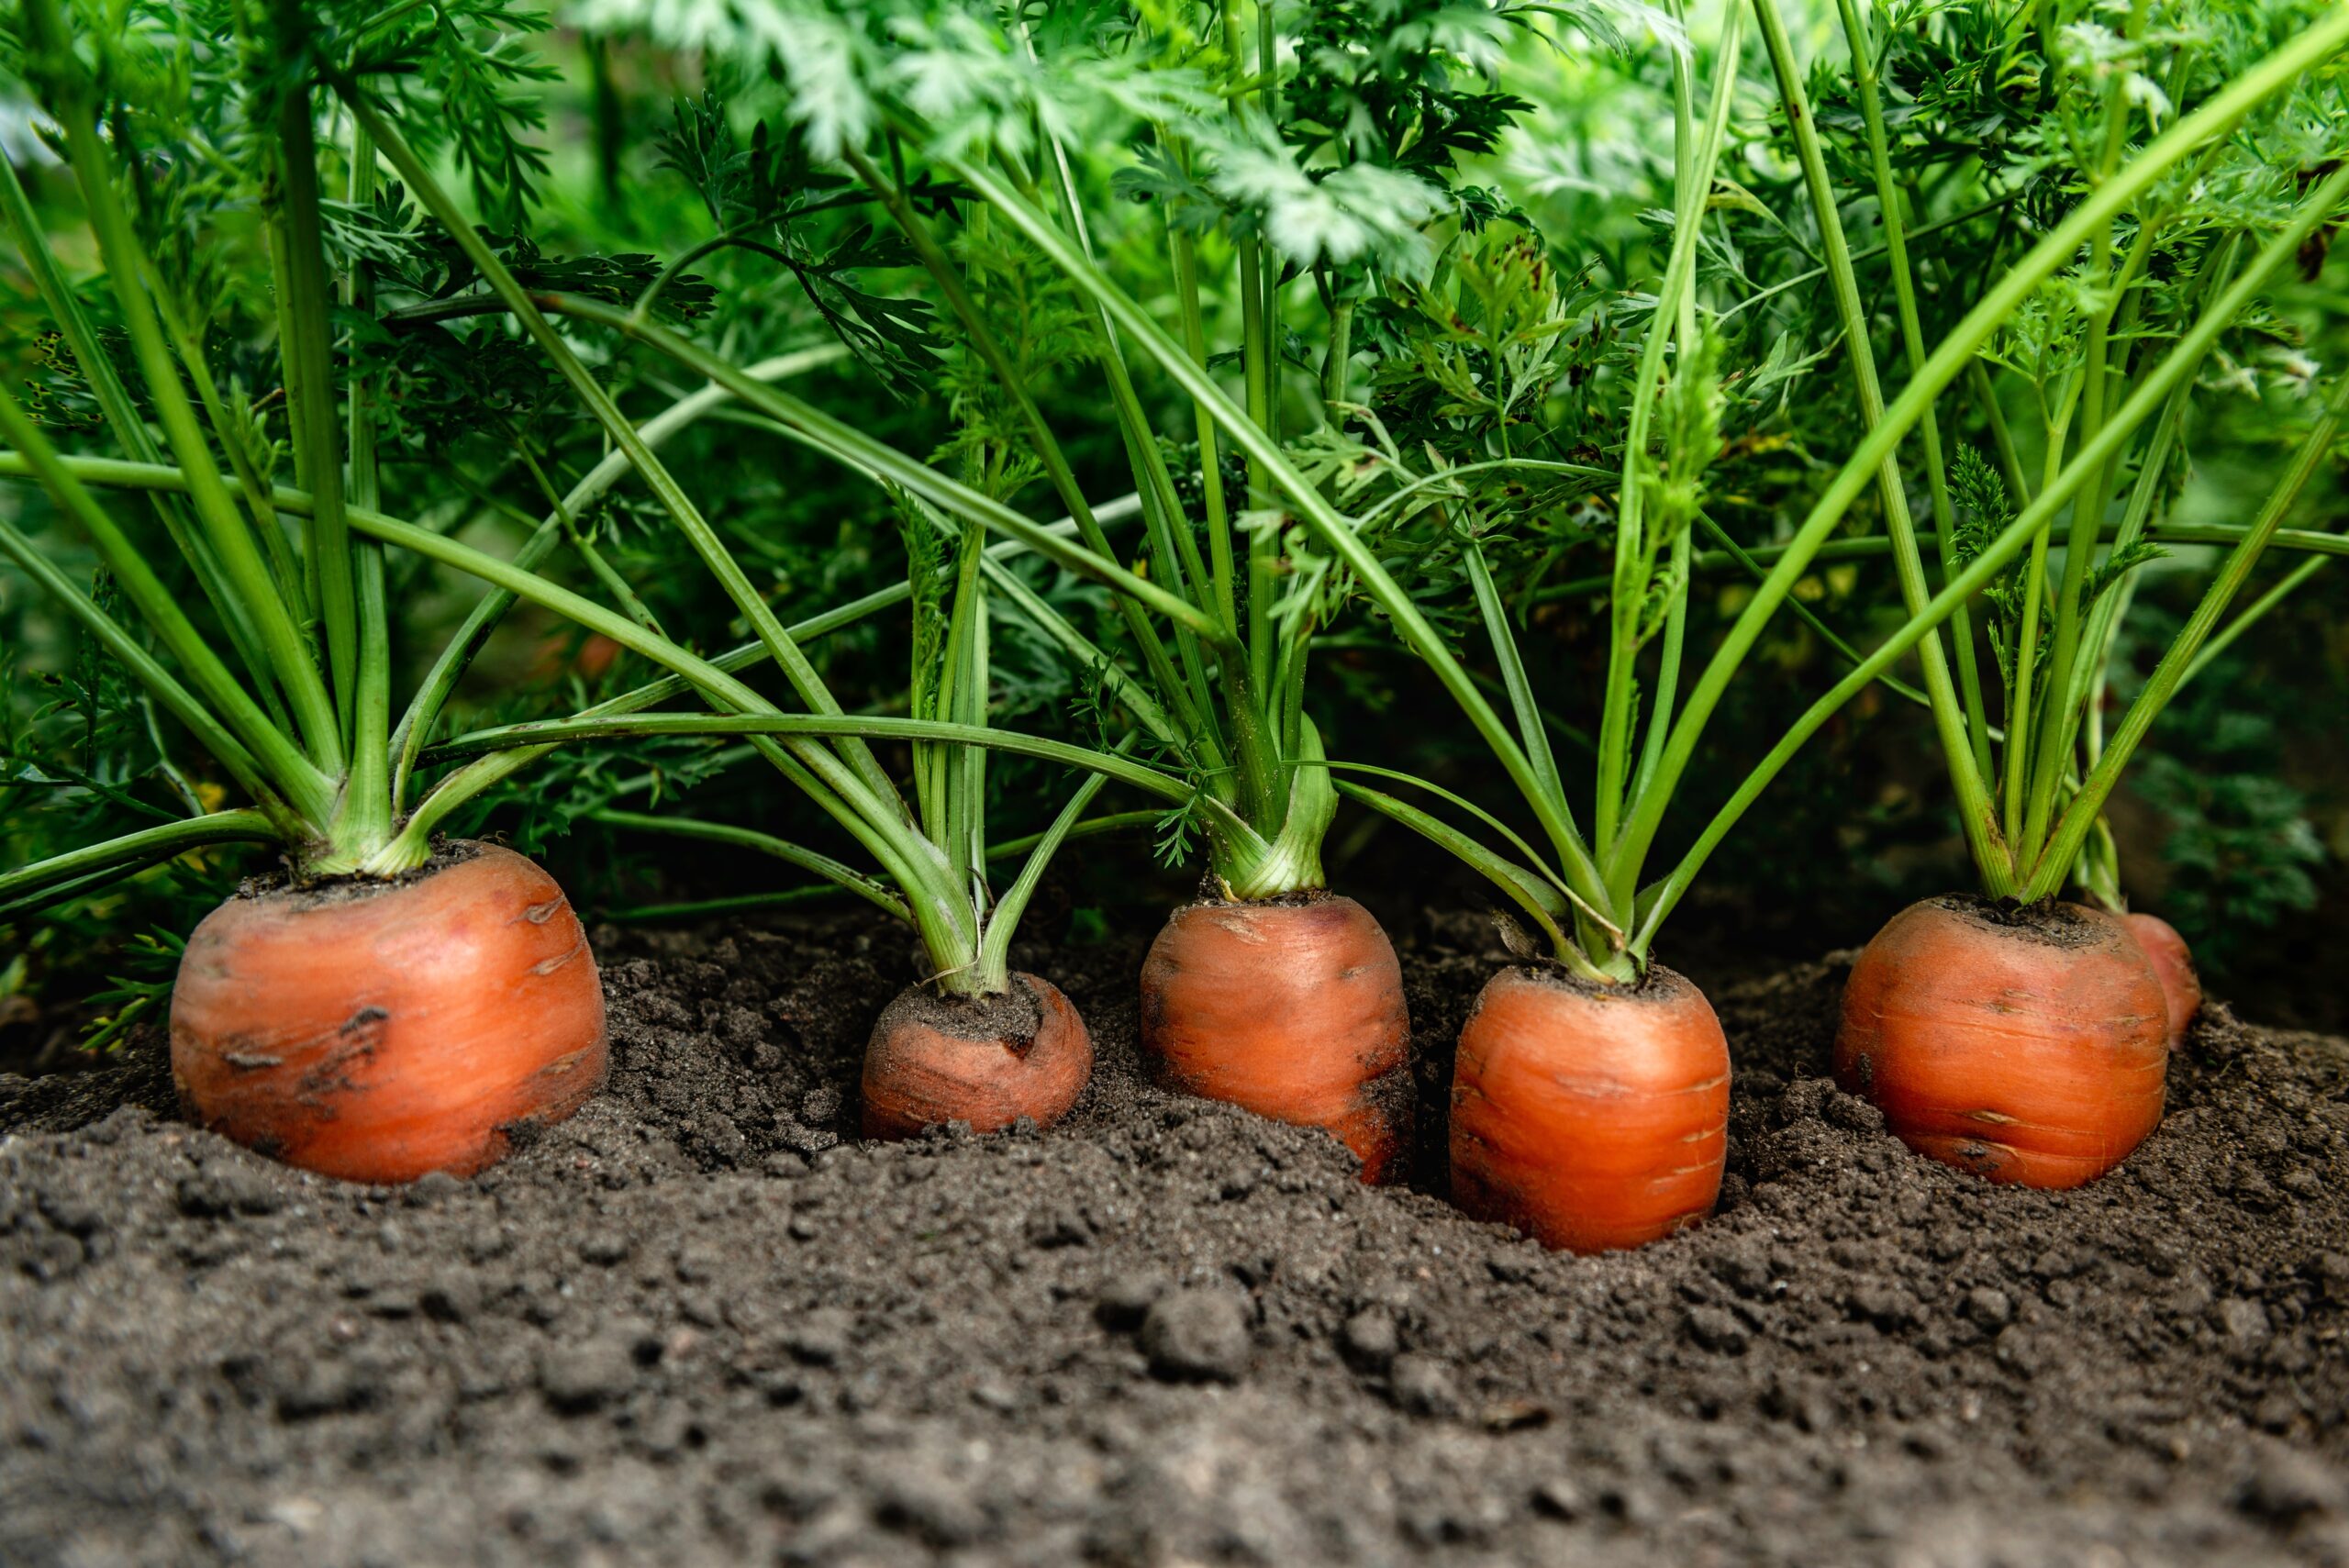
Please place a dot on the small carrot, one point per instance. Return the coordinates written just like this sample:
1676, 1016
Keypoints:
1591, 1117
2024, 1045
379, 1030
2172, 964
987, 1061
1291, 1009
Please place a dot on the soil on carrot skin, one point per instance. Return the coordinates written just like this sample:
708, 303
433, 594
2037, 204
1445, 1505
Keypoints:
1010, 1016
1209, 897
320, 892
698, 1323
2049, 921
1660, 983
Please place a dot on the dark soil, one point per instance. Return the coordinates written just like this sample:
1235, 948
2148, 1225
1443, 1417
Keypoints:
698, 1324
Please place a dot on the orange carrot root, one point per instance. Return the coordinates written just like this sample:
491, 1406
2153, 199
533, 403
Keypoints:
1291, 1010
1590, 1117
985, 1060
377, 1031
2172, 964
2022, 1045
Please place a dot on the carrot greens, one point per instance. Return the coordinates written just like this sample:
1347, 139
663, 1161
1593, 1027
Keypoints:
1240, 296
292, 580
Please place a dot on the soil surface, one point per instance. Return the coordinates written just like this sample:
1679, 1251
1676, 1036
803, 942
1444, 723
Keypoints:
700, 1324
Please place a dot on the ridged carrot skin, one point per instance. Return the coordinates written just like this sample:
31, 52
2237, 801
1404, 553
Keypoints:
1590, 1117
1291, 1010
936, 1059
2172, 964
2026, 1046
377, 1033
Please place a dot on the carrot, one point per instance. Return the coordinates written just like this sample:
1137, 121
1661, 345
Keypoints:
2022, 1044
557, 657
1590, 1117
379, 1030
987, 1061
1292, 1009
2172, 964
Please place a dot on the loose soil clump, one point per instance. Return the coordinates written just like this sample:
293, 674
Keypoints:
699, 1323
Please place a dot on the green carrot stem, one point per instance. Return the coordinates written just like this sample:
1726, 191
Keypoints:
1950, 715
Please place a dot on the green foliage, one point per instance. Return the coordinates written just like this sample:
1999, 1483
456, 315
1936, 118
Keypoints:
86, 760
1482, 345
83, 762
767, 193
1424, 251
2239, 853
152, 959
1690, 413
461, 70
926, 570
2237, 847
1983, 512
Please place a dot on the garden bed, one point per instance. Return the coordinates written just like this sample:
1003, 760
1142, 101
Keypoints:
701, 1323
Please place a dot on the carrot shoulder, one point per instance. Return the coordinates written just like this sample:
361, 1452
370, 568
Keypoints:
2172, 964
1590, 1117
984, 1061
1292, 1010
378, 1032
2026, 1046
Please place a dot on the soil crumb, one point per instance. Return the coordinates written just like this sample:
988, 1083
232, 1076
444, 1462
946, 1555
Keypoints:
700, 1324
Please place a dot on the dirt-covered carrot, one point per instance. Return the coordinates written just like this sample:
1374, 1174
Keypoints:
1292, 1008
2026, 1045
1591, 1117
2172, 964
987, 1061
376, 1030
